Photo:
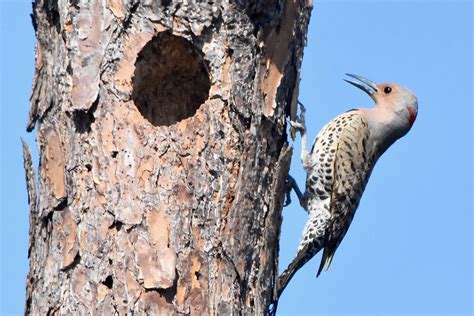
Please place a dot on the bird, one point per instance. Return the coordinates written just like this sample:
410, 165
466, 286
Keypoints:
339, 165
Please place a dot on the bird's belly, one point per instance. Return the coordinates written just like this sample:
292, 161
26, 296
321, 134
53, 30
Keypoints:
317, 223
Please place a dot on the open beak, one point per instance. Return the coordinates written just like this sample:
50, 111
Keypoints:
366, 85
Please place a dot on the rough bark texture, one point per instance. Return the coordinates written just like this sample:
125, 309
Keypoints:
163, 150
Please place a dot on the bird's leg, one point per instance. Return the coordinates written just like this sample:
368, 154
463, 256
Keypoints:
300, 126
290, 183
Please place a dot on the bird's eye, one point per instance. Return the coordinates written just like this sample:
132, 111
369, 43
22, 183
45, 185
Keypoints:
387, 90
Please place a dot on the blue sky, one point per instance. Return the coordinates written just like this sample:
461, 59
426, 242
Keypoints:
409, 249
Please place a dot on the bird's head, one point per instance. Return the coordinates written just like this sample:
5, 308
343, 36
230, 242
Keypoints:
392, 97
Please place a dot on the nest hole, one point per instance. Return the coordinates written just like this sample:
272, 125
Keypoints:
171, 80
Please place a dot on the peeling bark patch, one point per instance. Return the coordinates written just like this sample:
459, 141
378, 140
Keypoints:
31, 190
116, 7
54, 166
158, 223
67, 233
277, 45
129, 215
170, 81
30, 177
132, 286
157, 267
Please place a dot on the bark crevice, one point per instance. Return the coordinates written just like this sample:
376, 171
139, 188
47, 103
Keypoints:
83, 119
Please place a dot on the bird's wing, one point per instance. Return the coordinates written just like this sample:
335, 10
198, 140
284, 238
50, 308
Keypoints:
353, 164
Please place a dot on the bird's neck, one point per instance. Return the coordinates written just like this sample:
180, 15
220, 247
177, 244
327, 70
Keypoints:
385, 127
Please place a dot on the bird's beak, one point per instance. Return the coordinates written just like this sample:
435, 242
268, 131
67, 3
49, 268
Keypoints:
366, 85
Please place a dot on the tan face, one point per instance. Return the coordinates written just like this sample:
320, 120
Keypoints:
397, 99
387, 92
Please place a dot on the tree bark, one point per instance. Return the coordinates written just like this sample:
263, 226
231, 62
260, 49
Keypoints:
163, 154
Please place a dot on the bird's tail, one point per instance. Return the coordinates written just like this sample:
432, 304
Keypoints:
303, 256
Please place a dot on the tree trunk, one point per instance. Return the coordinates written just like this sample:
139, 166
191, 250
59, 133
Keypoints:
163, 154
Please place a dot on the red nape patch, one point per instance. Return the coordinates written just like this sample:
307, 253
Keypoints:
412, 116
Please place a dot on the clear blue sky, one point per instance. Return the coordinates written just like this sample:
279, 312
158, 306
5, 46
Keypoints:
409, 249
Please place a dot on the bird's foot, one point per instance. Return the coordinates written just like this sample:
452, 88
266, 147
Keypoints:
299, 124
287, 199
289, 185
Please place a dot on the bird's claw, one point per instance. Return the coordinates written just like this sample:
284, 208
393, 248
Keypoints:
299, 124
302, 110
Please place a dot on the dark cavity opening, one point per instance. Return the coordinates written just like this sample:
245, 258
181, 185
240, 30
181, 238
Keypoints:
171, 80
109, 282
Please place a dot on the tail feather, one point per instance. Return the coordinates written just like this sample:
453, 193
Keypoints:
323, 261
304, 255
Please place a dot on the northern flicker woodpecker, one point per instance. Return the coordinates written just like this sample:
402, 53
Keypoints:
339, 165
